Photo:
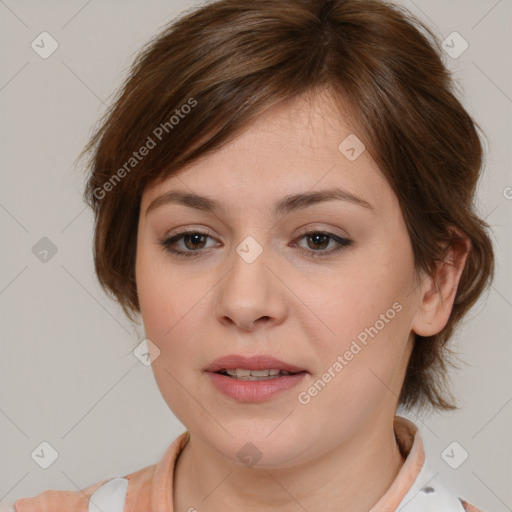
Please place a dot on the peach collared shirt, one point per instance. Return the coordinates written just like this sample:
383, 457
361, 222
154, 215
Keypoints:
415, 488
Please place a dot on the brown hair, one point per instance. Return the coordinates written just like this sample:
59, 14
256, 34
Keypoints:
228, 61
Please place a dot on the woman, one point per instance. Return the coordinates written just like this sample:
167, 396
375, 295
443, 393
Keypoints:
283, 191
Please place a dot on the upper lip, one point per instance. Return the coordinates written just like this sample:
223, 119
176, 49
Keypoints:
258, 362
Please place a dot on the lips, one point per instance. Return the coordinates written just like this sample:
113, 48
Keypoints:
260, 362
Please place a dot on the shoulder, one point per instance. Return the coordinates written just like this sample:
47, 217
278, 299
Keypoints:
53, 500
136, 490
134, 487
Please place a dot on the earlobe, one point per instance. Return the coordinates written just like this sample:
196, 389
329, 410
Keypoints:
438, 291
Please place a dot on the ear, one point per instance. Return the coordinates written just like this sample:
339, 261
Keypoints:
438, 291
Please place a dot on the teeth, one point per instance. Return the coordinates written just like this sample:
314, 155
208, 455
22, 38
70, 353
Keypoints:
259, 373
244, 374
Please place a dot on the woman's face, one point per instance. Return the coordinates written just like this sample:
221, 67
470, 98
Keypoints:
254, 282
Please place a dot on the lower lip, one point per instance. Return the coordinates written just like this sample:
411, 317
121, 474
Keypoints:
254, 390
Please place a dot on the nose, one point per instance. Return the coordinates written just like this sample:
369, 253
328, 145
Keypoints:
251, 295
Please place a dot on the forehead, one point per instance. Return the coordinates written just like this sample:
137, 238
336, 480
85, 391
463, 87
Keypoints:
303, 145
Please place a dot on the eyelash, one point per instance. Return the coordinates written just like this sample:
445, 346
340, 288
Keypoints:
342, 244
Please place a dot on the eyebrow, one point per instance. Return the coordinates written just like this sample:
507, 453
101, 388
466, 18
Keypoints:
281, 207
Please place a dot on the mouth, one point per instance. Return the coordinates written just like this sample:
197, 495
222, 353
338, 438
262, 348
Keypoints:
252, 379
244, 374
238, 366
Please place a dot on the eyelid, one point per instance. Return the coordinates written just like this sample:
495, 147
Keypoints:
317, 229
207, 231
341, 241
172, 238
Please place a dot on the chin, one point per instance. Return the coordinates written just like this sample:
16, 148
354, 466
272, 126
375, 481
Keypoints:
261, 447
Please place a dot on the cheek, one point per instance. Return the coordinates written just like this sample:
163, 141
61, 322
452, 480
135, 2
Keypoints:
166, 312
363, 363
368, 309
171, 302
356, 297
157, 299
156, 288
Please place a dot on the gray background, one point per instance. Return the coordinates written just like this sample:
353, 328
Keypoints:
67, 373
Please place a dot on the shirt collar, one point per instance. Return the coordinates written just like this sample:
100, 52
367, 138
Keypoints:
415, 489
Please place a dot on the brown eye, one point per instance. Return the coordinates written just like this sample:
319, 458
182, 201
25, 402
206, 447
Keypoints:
193, 240
193, 243
318, 241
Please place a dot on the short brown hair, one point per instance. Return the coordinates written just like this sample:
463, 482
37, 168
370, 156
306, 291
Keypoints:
230, 60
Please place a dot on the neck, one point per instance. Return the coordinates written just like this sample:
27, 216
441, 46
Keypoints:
352, 477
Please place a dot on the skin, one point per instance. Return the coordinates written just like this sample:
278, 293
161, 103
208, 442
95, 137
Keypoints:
337, 452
